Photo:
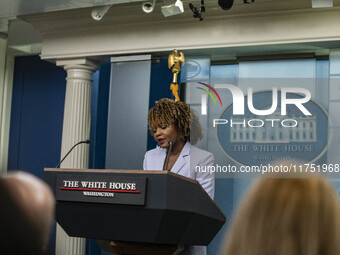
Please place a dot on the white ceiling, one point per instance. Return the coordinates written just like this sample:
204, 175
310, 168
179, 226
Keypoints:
10, 9
13, 8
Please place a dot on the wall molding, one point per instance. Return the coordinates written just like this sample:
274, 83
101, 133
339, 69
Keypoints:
125, 30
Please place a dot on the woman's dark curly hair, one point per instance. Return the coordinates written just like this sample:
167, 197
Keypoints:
177, 113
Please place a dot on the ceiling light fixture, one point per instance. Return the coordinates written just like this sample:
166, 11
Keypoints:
197, 13
172, 8
99, 12
322, 3
226, 4
148, 6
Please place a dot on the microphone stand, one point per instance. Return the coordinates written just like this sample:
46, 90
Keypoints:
168, 156
86, 141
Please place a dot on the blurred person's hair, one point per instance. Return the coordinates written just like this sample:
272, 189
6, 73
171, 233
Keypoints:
26, 213
286, 216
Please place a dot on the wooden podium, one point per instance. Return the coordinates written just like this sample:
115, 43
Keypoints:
143, 212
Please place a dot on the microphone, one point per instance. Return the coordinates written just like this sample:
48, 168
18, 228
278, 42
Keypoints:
85, 141
168, 155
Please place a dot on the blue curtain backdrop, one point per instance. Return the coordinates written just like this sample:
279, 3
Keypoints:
36, 118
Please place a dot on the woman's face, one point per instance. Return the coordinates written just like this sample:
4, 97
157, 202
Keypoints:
164, 133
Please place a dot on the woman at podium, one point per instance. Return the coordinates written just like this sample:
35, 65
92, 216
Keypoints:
176, 128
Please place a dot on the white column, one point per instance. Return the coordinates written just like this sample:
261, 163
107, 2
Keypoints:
6, 85
76, 127
3, 46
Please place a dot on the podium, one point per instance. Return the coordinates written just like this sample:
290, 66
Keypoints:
137, 206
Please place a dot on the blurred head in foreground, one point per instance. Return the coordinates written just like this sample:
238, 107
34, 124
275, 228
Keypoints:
26, 213
281, 216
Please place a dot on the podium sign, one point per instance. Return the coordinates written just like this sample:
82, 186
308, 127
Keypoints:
101, 189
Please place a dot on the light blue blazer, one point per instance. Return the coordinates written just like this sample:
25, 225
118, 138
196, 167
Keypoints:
185, 165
